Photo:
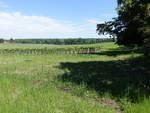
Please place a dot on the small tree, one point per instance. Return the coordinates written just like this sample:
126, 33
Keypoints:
11, 40
1, 40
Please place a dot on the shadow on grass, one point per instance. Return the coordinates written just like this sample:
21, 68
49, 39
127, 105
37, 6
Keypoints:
130, 78
113, 53
118, 51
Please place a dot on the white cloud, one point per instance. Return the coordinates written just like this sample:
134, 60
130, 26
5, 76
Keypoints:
22, 25
18, 25
4, 5
94, 21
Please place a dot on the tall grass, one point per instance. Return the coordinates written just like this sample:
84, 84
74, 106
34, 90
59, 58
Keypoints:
142, 107
74, 83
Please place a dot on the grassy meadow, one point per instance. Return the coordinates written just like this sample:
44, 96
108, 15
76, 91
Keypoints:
113, 80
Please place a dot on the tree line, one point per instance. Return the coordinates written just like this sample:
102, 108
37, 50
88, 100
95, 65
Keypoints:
73, 41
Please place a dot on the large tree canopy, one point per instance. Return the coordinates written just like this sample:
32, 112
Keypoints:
132, 26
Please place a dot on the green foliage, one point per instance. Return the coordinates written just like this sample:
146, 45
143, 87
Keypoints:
132, 26
142, 107
71, 41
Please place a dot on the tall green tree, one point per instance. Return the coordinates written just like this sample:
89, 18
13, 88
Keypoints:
132, 26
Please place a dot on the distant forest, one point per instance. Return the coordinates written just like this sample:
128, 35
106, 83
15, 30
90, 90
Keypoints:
62, 41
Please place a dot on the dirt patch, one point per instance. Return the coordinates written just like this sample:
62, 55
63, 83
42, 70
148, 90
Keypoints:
37, 83
64, 88
112, 104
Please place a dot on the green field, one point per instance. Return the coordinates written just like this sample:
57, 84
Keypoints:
103, 82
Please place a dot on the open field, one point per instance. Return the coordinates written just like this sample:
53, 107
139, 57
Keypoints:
112, 80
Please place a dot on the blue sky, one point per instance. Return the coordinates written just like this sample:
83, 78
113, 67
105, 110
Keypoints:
53, 18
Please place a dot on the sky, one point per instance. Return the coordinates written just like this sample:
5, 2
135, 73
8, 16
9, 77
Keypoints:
54, 18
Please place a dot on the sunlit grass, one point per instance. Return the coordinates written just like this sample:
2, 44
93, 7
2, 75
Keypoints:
32, 83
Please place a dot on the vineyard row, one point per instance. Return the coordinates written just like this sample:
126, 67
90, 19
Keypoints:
49, 51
